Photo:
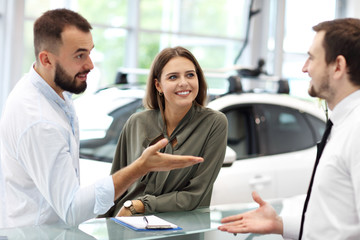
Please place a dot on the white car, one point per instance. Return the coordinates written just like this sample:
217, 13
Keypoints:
274, 137
271, 140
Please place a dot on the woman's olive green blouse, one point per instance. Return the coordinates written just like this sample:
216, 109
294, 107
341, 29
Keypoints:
202, 132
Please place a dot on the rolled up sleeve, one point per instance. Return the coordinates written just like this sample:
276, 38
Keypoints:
104, 195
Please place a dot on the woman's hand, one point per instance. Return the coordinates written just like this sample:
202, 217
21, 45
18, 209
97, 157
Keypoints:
138, 205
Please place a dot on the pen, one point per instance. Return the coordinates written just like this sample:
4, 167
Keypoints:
145, 220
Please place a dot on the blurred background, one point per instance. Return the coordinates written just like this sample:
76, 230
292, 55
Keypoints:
223, 35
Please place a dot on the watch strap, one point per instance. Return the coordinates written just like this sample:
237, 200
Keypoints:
132, 210
129, 204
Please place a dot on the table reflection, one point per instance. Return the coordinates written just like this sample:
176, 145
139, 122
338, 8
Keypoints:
44, 232
199, 224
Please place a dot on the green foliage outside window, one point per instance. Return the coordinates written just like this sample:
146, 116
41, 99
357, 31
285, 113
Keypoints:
213, 30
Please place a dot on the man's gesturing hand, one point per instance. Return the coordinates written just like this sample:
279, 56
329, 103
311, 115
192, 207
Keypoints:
152, 160
263, 220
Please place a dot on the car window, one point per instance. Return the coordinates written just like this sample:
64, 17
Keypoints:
241, 133
317, 125
283, 129
103, 149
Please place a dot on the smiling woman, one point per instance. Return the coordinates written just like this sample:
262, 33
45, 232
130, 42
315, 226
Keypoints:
175, 98
179, 87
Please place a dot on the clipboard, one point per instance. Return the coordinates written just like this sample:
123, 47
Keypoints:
146, 223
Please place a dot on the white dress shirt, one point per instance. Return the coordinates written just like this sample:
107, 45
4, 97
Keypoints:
334, 208
39, 138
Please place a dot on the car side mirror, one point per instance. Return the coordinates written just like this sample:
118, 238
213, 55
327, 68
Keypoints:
230, 157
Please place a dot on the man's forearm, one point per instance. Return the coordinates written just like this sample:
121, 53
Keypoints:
125, 177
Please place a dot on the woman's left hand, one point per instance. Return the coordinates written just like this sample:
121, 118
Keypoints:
138, 205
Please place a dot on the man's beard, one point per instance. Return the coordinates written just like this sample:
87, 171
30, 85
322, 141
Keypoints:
324, 88
68, 83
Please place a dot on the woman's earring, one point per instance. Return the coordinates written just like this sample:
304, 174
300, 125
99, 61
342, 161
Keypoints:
161, 94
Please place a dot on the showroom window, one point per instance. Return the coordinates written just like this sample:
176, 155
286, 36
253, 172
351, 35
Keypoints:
2, 48
300, 17
129, 33
2, 32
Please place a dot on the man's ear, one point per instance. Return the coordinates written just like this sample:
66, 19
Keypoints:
340, 67
45, 59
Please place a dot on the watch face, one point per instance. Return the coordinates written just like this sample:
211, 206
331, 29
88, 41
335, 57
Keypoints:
127, 204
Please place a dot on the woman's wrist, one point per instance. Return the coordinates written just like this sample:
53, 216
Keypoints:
139, 206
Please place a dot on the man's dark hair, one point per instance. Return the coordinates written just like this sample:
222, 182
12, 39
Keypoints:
342, 37
48, 28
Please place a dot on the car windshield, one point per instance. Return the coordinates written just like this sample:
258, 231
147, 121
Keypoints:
94, 123
101, 119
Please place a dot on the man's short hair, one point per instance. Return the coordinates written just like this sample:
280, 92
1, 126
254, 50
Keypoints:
48, 28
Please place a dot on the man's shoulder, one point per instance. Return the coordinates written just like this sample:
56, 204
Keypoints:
26, 106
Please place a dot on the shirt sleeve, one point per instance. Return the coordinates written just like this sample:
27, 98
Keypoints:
120, 154
44, 151
291, 215
197, 192
104, 195
291, 226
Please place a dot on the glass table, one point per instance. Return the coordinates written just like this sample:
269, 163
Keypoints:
199, 224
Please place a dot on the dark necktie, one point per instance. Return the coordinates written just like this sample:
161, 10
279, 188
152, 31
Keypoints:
320, 148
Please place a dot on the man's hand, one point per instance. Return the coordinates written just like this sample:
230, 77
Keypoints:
262, 220
149, 161
152, 160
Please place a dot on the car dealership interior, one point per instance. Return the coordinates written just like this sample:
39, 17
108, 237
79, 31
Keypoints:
252, 53
223, 35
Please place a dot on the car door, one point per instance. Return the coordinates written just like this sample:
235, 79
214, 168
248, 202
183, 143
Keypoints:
277, 155
250, 171
288, 137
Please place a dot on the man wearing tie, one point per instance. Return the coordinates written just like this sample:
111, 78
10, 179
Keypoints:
332, 205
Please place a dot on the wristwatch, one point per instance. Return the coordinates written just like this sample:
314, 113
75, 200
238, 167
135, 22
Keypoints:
129, 205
